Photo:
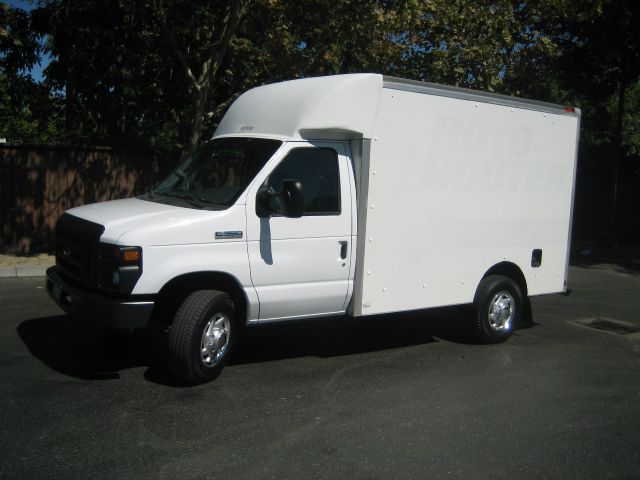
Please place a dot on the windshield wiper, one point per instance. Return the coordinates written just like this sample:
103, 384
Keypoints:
182, 194
191, 198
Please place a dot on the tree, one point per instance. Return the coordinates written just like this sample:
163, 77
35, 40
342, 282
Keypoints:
601, 62
114, 79
120, 87
28, 112
475, 44
18, 42
199, 34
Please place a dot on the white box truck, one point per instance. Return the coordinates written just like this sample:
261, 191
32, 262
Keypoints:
357, 194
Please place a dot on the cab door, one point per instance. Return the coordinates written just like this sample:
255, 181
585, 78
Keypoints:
300, 266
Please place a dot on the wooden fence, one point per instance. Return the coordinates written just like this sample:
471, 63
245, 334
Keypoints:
38, 183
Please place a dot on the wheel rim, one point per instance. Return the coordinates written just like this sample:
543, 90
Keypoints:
215, 339
502, 310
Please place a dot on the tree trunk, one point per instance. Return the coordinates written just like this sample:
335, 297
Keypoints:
616, 160
201, 85
199, 103
69, 87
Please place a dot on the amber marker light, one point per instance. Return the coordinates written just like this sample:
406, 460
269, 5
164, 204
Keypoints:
131, 255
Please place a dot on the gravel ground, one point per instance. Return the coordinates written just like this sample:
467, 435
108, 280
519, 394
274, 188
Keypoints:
42, 259
23, 266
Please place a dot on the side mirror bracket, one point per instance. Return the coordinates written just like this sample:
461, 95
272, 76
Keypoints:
289, 201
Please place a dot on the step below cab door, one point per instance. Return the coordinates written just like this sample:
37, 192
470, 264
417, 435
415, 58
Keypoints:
300, 266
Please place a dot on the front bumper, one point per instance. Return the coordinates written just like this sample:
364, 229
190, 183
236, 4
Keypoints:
96, 308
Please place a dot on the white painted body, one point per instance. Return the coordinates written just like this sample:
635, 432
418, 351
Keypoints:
436, 188
457, 186
295, 262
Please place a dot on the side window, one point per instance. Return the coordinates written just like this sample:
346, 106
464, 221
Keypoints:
317, 170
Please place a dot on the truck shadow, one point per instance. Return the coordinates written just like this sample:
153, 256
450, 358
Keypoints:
86, 352
83, 351
337, 336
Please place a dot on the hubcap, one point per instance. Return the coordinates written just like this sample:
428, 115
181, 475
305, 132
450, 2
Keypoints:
215, 339
502, 309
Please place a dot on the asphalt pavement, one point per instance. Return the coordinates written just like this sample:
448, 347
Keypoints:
396, 396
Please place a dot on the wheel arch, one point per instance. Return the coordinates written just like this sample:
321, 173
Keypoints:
173, 293
511, 270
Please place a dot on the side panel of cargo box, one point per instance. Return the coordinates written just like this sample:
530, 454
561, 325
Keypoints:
452, 185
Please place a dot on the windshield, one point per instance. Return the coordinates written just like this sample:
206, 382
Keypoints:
216, 174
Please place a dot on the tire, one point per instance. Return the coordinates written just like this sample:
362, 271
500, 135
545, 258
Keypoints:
499, 308
202, 336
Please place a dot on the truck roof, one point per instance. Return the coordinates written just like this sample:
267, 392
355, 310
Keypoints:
474, 95
338, 106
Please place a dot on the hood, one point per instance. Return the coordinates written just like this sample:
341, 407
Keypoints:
134, 221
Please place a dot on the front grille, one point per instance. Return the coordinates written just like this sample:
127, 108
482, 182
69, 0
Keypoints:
77, 242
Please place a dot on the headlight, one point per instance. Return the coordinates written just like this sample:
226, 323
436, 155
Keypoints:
119, 267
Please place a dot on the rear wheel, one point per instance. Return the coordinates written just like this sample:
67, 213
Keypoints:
202, 336
499, 308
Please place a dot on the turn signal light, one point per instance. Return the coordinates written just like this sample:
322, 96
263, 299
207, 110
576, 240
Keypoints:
131, 255
118, 254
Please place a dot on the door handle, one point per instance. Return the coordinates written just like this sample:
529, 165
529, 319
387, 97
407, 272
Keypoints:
343, 249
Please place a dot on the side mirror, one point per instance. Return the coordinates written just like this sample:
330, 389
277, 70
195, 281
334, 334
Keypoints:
292, 199
288, 202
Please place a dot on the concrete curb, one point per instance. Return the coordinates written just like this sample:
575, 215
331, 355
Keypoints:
23, 271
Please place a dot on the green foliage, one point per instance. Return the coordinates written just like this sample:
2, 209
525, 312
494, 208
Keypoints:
489, 46
600, 66
160, 73
631, 131
29, 113
603, 47
116, 79
19, 46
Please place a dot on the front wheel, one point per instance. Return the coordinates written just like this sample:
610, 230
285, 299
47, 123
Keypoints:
499, 307
202, 336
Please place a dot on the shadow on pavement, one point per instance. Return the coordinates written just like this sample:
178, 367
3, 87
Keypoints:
83, 351
337, 336
87, 352
622, 260
628, 266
